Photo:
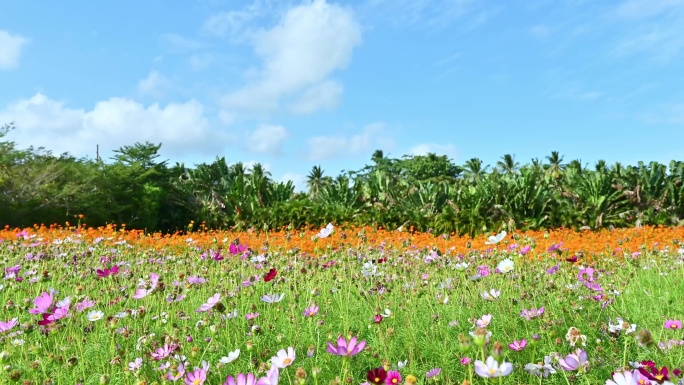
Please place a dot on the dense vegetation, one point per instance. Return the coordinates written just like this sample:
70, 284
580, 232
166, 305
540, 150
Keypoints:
428, 193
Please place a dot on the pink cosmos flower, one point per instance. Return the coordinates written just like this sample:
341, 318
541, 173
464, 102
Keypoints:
163, 352
197, 376
59, 313
346, 349
250, 316
518, 345
141, 293
673, 324
85, 304
483, 271
532, 313
213, 300
180, 372
310, 311
574, 361
7, 326
484, 321
42, 303
241, 379
432, 373
271, 377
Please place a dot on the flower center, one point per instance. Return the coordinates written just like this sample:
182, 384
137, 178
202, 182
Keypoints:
287, 361
377, 379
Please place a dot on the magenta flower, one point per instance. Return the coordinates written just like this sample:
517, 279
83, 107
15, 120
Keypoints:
241, 379
518, 345
483, 271
673, 324
524, 250
393, 378
7, 326
465, 361
346, 349
553, 269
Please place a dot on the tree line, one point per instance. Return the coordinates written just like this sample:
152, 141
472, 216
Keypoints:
426, 193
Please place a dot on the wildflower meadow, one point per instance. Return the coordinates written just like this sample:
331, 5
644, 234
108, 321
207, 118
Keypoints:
341, 306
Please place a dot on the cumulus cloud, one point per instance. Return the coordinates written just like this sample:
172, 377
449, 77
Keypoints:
154, 84
438, 149
10, 49
267, 139
182, 128
370, 138
308, 44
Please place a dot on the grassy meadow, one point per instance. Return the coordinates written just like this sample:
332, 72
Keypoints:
341, 306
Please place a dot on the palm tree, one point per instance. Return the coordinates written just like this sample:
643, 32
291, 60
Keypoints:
508, 165
315, 181
474, 170
555, 167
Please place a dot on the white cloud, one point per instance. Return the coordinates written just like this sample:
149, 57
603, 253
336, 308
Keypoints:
434, 14
153, 84
653, 30
439, 149
641, 9
298, 180
370, 138
182, 128
308, 44
10, 49
200, 61
267, 139
320, 96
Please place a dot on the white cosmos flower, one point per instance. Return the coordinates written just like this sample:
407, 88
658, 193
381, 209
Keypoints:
491, 295
505, 266
271, 298
232, 356
326, 231
494, 239
461, 266
95, 315
387, 313
284, 358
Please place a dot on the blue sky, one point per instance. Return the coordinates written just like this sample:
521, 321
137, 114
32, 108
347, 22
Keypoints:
293, 84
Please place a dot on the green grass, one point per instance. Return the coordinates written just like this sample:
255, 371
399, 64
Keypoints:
421, 329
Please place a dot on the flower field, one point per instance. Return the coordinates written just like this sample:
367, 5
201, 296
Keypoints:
341, 306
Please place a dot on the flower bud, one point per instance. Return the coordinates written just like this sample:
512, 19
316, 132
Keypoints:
104, 379
464, 343
4, 357
644, 338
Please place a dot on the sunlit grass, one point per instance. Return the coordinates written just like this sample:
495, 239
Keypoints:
409, 304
